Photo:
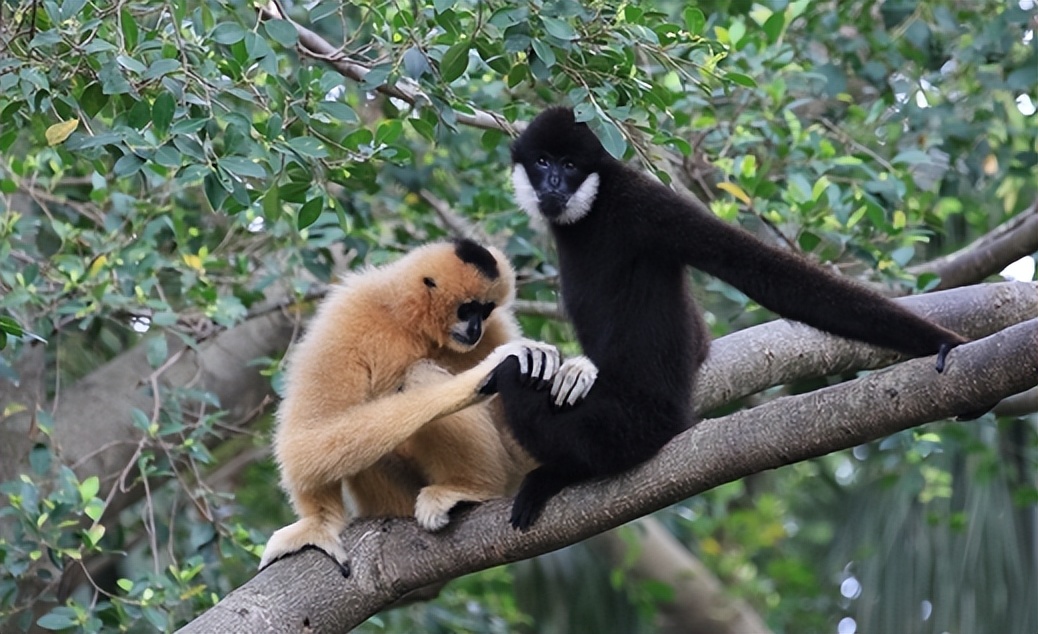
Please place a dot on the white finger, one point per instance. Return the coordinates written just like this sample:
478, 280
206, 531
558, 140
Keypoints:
568, 377
580, 390
554, 362
538, 362
524, 361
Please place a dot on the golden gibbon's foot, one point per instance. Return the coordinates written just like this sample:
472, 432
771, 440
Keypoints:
306, 533
344, 566
573, 381
433, 506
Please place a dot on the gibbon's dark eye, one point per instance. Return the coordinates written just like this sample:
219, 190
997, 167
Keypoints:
542, 162
568, 166
488, 308
430, 282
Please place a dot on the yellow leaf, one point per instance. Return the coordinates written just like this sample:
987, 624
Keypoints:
990, 164
98, 264
900, 219
60, 131
736, 191
710, 546
193, 261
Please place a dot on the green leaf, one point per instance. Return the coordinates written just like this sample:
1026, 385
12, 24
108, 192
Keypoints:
773, 26
241, 166
161, 67
130, 31
742, 80
162, 112
339, 111
93, 99
309, 213
157, 352
128, 165
308, 147
558, 28
455, 61
139, 115
423, 128
808, 241
612, 138
544, 52
88, 488
695, 21
294, 192
388, 132
40, 459
282, 32
376, 77
228, 33
415, 63
56, 621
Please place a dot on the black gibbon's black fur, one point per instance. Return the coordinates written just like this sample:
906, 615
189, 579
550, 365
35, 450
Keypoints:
624, 242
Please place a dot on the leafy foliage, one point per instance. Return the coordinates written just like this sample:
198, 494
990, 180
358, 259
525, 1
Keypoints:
169, 171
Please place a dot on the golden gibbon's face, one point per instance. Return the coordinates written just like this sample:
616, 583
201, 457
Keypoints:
465, 285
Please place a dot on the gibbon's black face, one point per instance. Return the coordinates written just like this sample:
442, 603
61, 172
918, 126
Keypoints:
464, 294
555, 162
471, 315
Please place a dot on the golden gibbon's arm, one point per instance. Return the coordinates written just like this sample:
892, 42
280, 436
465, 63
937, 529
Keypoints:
356, 438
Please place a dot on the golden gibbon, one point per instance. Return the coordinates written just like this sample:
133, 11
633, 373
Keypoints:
383, 396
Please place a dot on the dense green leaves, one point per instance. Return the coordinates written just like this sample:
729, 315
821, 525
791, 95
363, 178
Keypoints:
168, 170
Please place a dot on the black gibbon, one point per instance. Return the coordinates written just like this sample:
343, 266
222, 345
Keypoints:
382, 396
624, 242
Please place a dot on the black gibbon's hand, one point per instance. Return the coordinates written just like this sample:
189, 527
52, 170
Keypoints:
573, 381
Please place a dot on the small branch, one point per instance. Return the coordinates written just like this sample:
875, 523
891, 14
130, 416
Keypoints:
458, 226
1007, 243
406, 90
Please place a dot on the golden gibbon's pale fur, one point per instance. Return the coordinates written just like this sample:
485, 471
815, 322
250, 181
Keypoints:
382, 397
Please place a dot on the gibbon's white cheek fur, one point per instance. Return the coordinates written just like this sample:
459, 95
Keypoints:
525, 195
580, 202
576, 207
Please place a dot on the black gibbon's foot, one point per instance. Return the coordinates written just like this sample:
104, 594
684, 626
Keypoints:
942, 354
344, 567
537, 488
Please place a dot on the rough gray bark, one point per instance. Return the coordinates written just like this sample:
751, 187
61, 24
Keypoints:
1007, 243
392, 557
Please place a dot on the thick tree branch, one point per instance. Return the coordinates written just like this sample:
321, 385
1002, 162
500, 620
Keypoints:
779, 352
1007, 243
392, 557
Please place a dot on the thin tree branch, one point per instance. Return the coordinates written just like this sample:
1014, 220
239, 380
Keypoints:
391, 557
1007, 243
312, 44
700, 603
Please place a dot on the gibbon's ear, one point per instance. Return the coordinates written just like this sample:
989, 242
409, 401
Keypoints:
430, 282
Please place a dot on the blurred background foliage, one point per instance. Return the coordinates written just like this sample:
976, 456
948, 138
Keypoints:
171, 167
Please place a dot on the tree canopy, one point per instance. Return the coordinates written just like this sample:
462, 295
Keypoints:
179, 183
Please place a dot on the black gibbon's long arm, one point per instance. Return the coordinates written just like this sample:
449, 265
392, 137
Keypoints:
624, 244
789, 284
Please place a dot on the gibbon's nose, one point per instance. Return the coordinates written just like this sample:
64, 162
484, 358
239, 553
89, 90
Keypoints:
474, 331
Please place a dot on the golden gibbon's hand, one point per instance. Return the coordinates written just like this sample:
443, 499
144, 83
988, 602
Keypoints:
573, 381
537, 361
